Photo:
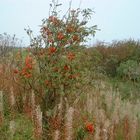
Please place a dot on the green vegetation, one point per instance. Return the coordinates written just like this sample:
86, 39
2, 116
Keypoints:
60, 89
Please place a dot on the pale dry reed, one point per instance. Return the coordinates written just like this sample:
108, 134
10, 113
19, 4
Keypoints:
133, 128
33, 105
38, 123
36, 115
12, 97
12, 102
12, 129
69, 124
97, 134
56, 133
109, 111
89, 104
1, 108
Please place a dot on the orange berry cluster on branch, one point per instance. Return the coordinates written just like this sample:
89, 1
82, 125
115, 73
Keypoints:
26, 71
89, 127
54, 20
70, 56
52, 50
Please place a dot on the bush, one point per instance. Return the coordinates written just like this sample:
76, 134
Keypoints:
52, 67
129, 70
116, 53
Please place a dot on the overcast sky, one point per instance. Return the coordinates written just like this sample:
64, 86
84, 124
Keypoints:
117, 19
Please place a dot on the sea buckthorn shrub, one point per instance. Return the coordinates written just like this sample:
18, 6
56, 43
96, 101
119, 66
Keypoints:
51, 67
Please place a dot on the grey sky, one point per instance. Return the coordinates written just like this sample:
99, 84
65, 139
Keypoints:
117, 19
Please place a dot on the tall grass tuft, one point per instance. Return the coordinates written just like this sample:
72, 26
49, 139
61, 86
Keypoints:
1, 108
69, 124
38, 123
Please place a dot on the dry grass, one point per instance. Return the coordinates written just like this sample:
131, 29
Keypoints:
112, 117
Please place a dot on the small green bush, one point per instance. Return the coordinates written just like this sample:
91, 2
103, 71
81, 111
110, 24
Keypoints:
129, 70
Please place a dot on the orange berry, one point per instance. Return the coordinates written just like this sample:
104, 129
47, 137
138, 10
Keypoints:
52, 49
28, 75
75, 38
70, 29
89, 127
71, 56
29, 66
66, 67
28, 60
60, 36
16, 71
47, 83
